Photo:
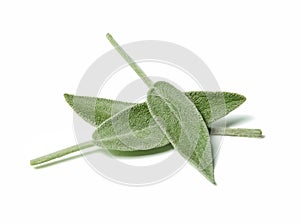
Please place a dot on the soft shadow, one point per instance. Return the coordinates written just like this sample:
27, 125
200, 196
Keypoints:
113, 152
215, 150
141, 152
233, 120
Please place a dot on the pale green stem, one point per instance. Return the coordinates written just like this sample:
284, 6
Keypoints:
254, 133
61, 153
129, 60
239, 132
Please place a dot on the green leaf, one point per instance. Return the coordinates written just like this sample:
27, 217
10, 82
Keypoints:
122, 140
210, 104
215, 105
183, 125
133, 128
177, 117
176, 120
129, 130
95, 110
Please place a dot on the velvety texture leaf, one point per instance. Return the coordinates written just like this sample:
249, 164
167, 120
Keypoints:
210, 104
95, 110
142, 133
169, 118
183, 125
129, 130
215, 105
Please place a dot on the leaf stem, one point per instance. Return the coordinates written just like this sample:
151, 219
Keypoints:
129, 60
253, 133
61, 153
239, 132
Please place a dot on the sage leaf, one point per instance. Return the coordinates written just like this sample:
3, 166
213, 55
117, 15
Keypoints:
183, 125
137, 116
133, 129
178, 118
129, 130
96, 110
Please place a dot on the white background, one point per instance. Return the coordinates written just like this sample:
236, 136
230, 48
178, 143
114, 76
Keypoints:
252, 47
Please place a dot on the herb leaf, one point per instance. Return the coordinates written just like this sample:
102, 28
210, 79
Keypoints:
129, 130
96, 110
183, 125
177, 117
133, 129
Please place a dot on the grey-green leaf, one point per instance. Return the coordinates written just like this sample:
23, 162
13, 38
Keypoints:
130, 130
94, 110
210, 104
183, 125
133, 128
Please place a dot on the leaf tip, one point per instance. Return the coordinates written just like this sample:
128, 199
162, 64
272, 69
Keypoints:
69, 99
212, 180
67, 95
209, 174
243, 98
